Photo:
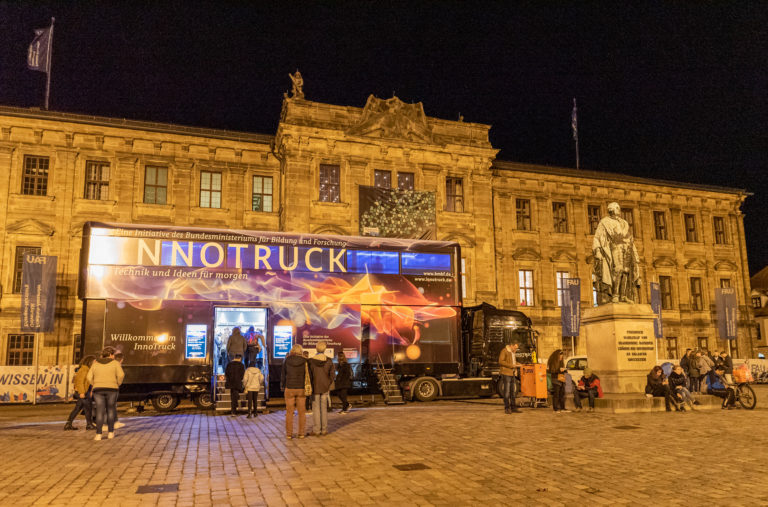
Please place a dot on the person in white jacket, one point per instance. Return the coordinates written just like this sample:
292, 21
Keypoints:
105, 376
253, 380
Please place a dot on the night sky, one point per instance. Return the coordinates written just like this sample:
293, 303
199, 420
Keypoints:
670, 90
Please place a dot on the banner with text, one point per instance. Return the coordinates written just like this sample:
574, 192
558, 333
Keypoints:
570, 311
725, 301
17, 383
38, 293
658, 331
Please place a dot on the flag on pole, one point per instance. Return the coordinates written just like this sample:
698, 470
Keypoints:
575, 121
39, 53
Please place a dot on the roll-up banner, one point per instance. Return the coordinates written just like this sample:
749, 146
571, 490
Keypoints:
725, 301
38, 293
570, 311
658, 331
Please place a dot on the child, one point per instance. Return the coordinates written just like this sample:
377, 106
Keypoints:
253, 380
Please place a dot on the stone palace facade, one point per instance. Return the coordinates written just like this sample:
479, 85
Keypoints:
522, 228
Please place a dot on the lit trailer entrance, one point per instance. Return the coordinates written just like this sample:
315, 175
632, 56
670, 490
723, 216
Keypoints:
158, 294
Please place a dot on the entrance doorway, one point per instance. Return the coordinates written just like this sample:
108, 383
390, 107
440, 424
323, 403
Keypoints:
226, 319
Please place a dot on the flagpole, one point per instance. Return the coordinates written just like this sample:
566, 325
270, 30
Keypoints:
574, 125
50, 61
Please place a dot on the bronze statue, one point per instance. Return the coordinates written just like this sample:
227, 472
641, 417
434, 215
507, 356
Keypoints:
297, 92
617, 265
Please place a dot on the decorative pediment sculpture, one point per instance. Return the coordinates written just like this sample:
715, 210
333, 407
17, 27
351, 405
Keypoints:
393, 118
30, 226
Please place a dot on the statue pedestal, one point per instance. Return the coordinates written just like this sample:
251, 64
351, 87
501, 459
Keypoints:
621, 348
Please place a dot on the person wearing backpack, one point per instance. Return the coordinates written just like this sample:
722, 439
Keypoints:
252, 381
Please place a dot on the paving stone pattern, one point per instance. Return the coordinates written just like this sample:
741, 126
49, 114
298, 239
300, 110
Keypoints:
475, 454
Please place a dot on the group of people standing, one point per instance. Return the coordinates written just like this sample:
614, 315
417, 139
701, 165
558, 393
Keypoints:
698, 363
316, 376
97, 382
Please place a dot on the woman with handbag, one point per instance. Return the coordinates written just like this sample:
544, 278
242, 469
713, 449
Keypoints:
294, 381
556, 369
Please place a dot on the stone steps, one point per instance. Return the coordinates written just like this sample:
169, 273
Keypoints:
625, 404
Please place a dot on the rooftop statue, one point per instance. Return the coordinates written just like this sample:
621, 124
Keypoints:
617, 265
297, 91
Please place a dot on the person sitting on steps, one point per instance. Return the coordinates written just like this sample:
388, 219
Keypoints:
718, 386
588, 387
658, 386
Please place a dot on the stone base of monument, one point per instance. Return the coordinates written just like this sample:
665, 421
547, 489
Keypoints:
633, 403
621, 348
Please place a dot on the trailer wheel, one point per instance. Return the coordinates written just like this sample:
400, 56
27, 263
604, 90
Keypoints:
425, 389
165, 402
203, 401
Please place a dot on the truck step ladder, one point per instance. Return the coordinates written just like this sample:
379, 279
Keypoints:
390, 389
224, 400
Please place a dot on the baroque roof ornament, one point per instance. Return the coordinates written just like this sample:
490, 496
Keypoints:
393, 118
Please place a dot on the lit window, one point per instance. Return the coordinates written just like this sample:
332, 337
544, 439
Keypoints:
330, 183
463, 278
21, 348
525, 280
561, 287
405, 181
382, 179
18, 264
757, 302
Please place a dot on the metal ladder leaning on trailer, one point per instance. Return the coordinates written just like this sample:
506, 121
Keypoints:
390, 389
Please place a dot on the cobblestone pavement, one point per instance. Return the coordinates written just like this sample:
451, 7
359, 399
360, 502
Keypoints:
475, 454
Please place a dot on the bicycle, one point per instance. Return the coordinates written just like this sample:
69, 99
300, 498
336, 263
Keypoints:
745, 395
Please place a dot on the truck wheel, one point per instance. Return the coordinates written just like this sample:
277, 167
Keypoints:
425, 389
203, 401
165, 402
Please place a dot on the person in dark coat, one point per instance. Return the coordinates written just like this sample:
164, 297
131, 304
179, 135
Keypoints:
556, 370
727, 363
658, 386
685, 363
292, 378
236, 345
234, 375
322, 372
343, 381
678, 388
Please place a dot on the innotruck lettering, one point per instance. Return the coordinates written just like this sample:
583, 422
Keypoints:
154, 252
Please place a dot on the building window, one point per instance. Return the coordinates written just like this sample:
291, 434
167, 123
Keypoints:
454, 195
725, 283
734, 348
261, 199
629, 216
671, 347
559, 217
382, 179
703, 342
560, 284
77, 351
757, 302
330, 190
155, 185
523, 214
21, 349
18, 264
525, 279
96, 180
718, 224
35, 181
696, 298
210, 189
463, 277
593, 218
691, 234
405, 181
660, 224
665, 291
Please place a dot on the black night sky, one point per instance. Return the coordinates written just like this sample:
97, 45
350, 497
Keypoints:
670, 90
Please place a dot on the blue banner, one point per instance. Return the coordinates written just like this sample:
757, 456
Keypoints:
725, 301
658, 331
570, 311
38, 293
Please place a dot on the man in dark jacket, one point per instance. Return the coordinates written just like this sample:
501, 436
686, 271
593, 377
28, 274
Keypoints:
343, 381
588, 387
292, 378
321, 370
718, 386
234, 375
236, 345
685, 363
727, 363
